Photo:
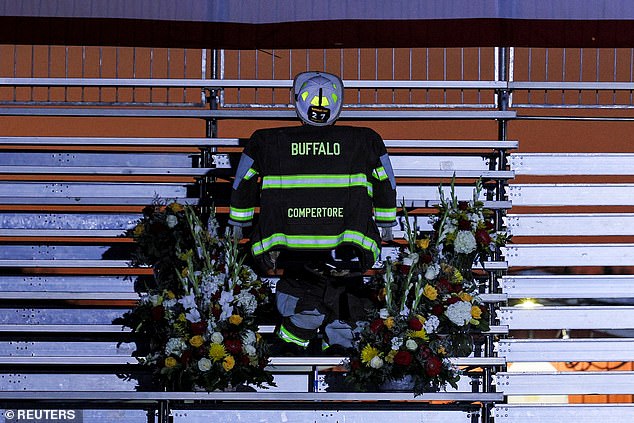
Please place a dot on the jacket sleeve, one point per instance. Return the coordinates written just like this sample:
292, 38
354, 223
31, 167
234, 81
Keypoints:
383, 184
245, 191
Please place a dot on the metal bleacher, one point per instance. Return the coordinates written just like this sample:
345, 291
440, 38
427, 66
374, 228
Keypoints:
64, 273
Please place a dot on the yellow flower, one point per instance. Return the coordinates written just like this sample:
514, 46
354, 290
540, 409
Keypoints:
176, 207
430, 292
196, 341
138, 230
368, 353
390, 356
422, 243
184, 272
441, 350
170, 362
457, 276
476, 312
217, 352
235, 319
382, 294
389, 322
228, 363
170, 295
465, 297
418, 334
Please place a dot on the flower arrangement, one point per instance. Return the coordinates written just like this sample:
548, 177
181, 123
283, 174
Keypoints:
429, 306
196, 317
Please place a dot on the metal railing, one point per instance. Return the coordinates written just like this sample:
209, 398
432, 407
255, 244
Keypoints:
411, 78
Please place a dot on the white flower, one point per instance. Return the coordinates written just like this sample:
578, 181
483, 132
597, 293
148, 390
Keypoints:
247, 301
432, 272
217, 338
383, 313
169, 304
396, 343
459, 313
204, 364
249, 349
431, 324
175, 346
171, 221
249, 338
193, 315
465, 242
226, 298
188, 301
376, 362
411, 345
405, 311
212, 226
411, 259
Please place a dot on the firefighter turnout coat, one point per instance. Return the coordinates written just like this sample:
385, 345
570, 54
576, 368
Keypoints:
317, 188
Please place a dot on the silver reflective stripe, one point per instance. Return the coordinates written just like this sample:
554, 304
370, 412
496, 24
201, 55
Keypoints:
315, 181
387, 164
243, 168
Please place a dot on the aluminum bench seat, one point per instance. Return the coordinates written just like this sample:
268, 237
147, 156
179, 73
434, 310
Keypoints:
566, 350
565, 383
578, 413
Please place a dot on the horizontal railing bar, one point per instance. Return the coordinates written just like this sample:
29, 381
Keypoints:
242, 83
80, 200
572, 85
232, 142
254, 113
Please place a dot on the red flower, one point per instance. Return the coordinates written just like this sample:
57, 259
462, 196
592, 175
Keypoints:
463, 205
426, 258
404, 269
489, 225
376, 325
457, 287
433, 366
453, 300
233, 346
482, 237
186, 356
437, 310
199, 328
403, 358
465, 225
415, 324
244, 360
425, 352
355, 365
444, 285
157, 312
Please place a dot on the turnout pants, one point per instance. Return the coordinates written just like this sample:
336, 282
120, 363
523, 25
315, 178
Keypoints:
309, 299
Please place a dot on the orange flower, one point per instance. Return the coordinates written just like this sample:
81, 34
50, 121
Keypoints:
228, 363
235, 319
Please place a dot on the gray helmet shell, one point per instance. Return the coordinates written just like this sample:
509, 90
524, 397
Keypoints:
318, 97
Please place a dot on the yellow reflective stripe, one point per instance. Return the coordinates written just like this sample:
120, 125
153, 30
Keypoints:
241, 214
380, 173
317, 242
385, 214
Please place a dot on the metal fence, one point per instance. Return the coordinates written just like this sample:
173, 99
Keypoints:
375, 78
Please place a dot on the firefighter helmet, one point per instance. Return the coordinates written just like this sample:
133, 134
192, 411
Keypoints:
318, 97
